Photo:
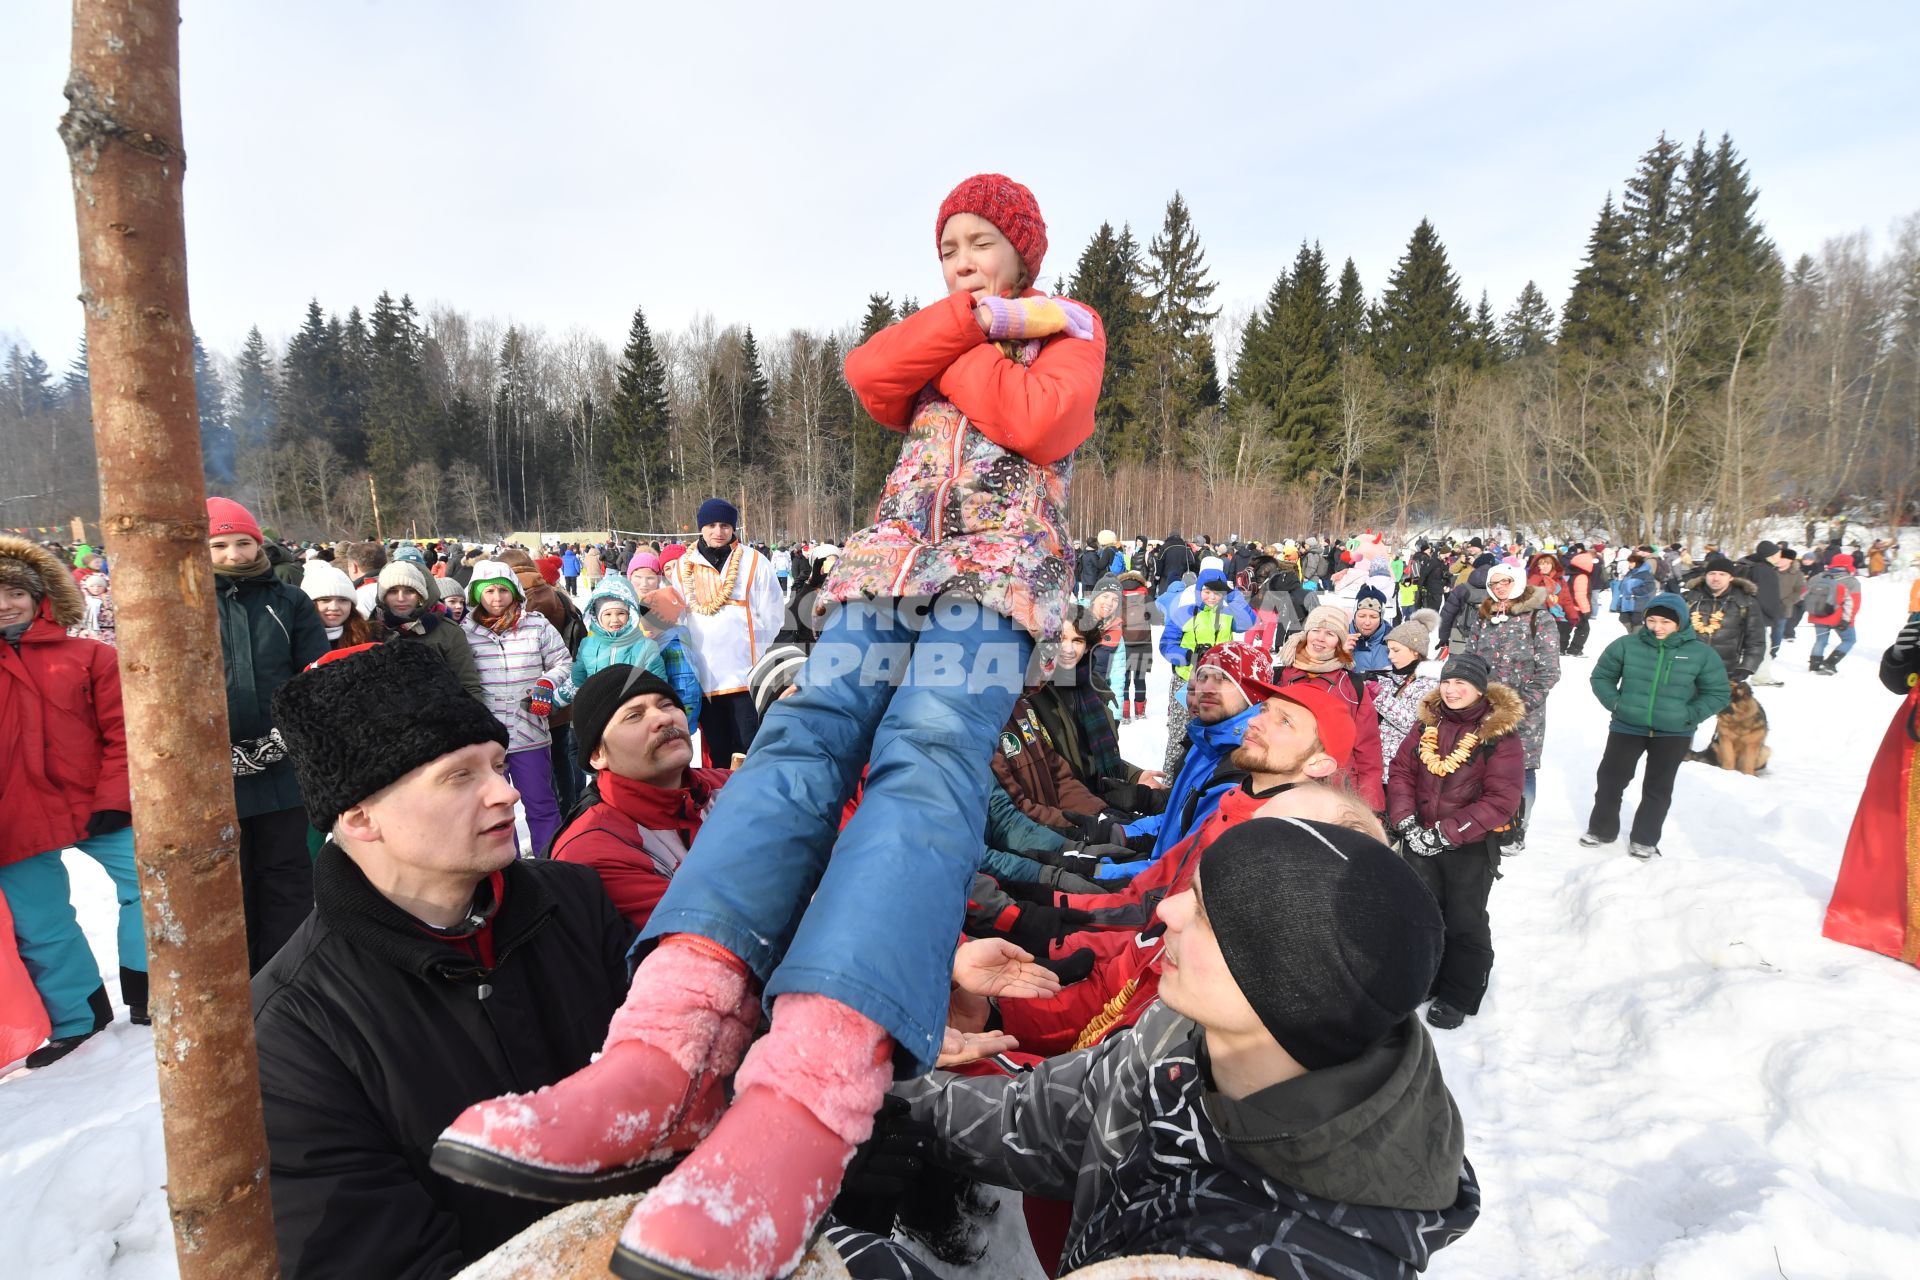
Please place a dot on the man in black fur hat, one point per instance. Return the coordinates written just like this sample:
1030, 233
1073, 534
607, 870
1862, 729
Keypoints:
436, 970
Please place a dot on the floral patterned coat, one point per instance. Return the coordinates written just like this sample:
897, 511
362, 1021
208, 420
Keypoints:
1524, 652
977, 503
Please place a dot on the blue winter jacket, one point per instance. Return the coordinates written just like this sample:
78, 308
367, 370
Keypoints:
1634, 591
1178, 605
603, 648
1210, 744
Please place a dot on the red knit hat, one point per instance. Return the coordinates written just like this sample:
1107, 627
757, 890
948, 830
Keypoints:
1248, 665
224, 515
1009, 206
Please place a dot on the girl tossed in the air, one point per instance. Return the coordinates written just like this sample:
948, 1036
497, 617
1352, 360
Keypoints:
848, 934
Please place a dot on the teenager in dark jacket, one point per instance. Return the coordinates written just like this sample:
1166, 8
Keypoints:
407, 596
435, 970
63, 782
1660, 683
1279, 1109
269, 632
1453, 787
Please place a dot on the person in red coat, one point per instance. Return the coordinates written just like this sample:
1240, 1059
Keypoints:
631, 728
63, 782
1453, 788
1875, 904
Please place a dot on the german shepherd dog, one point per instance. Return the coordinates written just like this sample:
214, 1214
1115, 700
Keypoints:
1740, 736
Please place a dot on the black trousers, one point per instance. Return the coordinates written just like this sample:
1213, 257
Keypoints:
1134, 680
1460, 880
727, 725
1617, 765
276, 880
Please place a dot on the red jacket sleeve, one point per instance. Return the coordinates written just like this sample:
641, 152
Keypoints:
1042, 412
111, 791
1366, 764
889, 369
1050, 1024
628, 877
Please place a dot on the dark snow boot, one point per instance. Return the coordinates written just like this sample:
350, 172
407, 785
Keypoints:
59, 1047
133, 990
1444, 1016
1833, 662
1820, 666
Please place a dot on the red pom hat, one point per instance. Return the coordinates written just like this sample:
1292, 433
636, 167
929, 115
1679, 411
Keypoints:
224, 515
1009, 207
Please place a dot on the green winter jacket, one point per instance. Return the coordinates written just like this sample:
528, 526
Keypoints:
269, 632
1661, 688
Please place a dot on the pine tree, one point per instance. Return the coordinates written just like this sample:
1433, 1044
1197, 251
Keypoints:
353, 384
1422, 323
1483, 347
1528, 328
311, 399
874, 446
76, 387
253, 413
754, 444
1302, 362
1107, 279
28, 384
1656, 205
1349, 330
636, 429
216, 438
398, 414
1731, 268
1176, 375
1255, 372
1599, 314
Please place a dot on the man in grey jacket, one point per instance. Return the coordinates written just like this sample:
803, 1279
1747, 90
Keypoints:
1280, 1109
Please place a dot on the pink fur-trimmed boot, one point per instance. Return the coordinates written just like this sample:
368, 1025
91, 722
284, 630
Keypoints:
746, 1203
616, 1124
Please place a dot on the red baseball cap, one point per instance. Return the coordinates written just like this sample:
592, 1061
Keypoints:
1332, 717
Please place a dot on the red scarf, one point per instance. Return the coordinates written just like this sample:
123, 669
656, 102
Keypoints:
676, 809
499, 623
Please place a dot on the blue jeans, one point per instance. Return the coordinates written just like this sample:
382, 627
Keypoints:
48, 934
1820, 633
867, 915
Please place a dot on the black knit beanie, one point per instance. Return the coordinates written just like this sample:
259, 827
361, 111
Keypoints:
605, 693
363, 721
1329, 934
1470, 667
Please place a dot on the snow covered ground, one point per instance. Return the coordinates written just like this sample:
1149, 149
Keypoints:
1674, 1075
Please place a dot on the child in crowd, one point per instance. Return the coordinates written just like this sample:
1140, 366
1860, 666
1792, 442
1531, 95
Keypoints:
846, 932
522, 660
614, 636
1452, 789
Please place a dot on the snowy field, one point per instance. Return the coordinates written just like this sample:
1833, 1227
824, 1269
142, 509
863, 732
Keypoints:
1673, 1076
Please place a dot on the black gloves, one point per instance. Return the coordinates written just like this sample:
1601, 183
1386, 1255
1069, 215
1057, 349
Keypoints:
105, 820
884, 1168
1107, 826
1068, 882
1070, 968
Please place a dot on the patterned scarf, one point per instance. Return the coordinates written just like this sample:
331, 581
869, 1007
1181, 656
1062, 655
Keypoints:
1085, 699
499, 623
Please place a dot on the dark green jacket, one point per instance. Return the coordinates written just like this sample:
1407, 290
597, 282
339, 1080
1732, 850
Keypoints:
269, 632
1661, 688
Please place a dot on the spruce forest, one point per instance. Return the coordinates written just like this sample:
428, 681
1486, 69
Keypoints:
1693, 382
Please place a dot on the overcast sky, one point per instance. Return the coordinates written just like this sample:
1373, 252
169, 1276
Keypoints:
558, 163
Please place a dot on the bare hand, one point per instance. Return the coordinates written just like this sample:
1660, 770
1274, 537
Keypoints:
1152, 778
996, 967
959, 1047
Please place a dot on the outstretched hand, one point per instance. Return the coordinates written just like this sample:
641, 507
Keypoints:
997, 968
960, 1047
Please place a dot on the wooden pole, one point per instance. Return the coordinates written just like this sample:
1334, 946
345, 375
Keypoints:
123, 138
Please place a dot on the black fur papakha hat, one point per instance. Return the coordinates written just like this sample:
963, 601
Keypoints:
363, 720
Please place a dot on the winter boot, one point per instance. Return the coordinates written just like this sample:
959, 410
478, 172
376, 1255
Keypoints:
1592, 841
133, 990
1644, 852
1833, 662
747, 1202
616, 1124
59, 1047
1819, 666
1444, 1016
1140, 710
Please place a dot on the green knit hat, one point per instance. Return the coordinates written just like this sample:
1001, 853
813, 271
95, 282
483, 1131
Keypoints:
491, 573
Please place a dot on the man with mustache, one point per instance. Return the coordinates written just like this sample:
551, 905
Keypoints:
631, 728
